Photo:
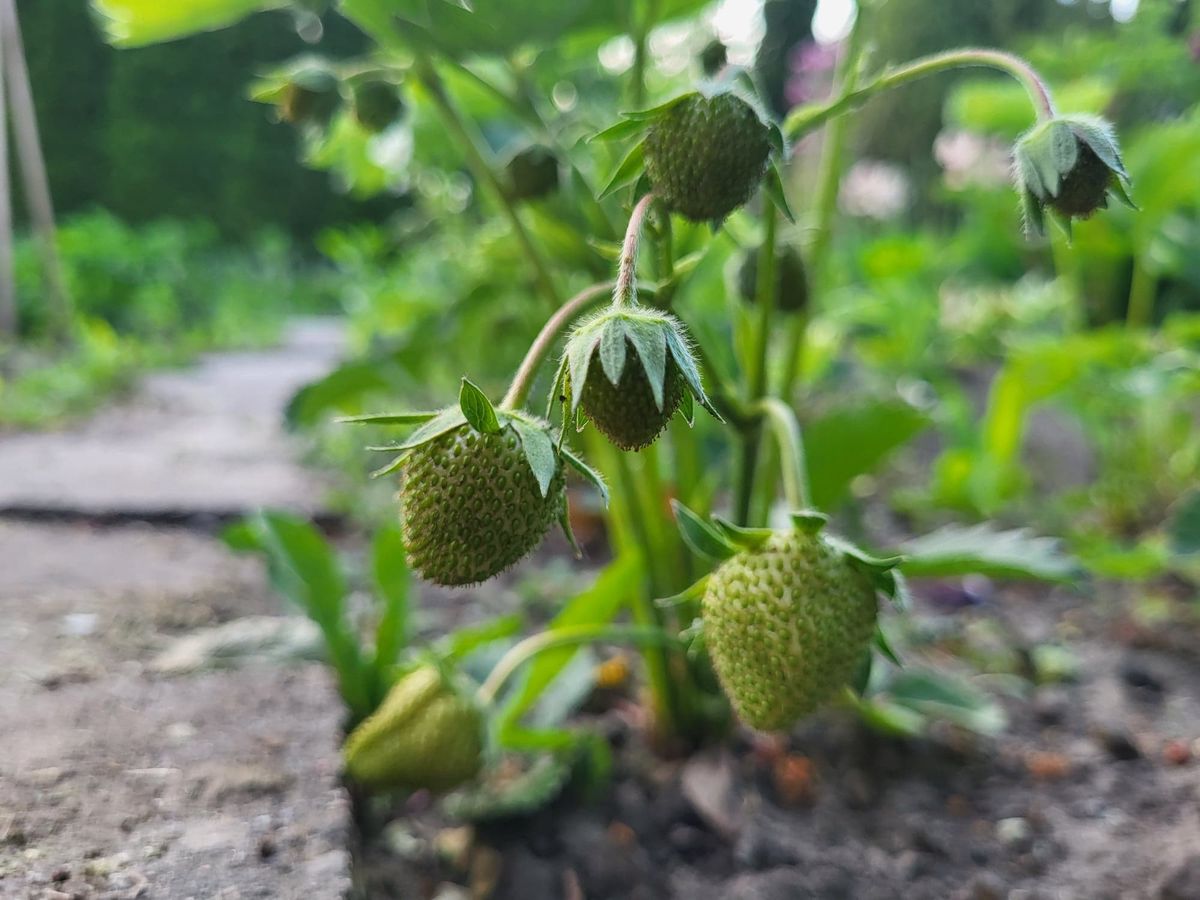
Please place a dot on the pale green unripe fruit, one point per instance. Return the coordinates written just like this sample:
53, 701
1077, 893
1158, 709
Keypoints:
787, 625
424, 735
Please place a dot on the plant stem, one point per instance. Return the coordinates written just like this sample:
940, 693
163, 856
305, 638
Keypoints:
805, 119
751, 437
518, 390
1141, 295
625, 291
478, 158
829, 179
564, 636
791, 450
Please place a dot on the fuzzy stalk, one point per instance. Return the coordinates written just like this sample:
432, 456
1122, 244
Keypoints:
625, 290
806, 119
751, 436
791, 450
522, 381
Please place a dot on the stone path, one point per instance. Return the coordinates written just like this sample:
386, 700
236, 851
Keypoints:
116, 782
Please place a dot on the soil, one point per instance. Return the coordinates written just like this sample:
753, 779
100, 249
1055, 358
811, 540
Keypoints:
1093, 792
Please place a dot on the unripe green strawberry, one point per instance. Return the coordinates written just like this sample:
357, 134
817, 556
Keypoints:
376, 103
424, 735
1068, 165
706, 155
472, 506
630, 369
791, 280
625, 412
531, 172
787, 625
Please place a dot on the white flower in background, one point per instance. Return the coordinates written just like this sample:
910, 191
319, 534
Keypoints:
875, 190
970, 159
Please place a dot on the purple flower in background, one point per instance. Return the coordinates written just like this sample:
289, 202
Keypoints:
811, 67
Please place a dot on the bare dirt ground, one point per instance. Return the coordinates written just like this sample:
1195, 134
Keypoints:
117, 781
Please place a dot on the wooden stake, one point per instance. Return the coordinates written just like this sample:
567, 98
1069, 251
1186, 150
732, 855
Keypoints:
33, 166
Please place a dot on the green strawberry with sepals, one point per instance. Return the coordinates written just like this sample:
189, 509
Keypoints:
707, 155
479, 487
706, 152
1070, 166
425, 734
630, 369
788, 618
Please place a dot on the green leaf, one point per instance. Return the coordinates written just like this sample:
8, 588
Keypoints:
612, 350
949, 698
389, 570
852, 440
465, 641
649, 339
982, 549
133, 23
1184, 526
404, 418
596, 605
477, 409
627, 171
539, 452
304, 569
704, 539
592, 476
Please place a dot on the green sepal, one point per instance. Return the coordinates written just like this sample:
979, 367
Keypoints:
884, 646
700, 536
649, 340
558, 391
692, 592
618, 132
447, 420
592, 476
626, 172
539, 452
687, 408
579, 359
655, 112
477, 409
404, 418
1033, 217
773, 185
693, 638
1063, 223
1101, 138
740, 536
581, 420
1118, 189
809, 520
775, 136
612, 349
861, 681
564, 522
687, 367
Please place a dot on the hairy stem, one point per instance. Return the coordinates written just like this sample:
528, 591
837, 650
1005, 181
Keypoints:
625, 291
805, 119
518, 390
791, 450
565, 636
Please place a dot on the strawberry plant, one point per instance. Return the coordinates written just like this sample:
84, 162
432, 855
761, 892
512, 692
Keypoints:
738, 592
